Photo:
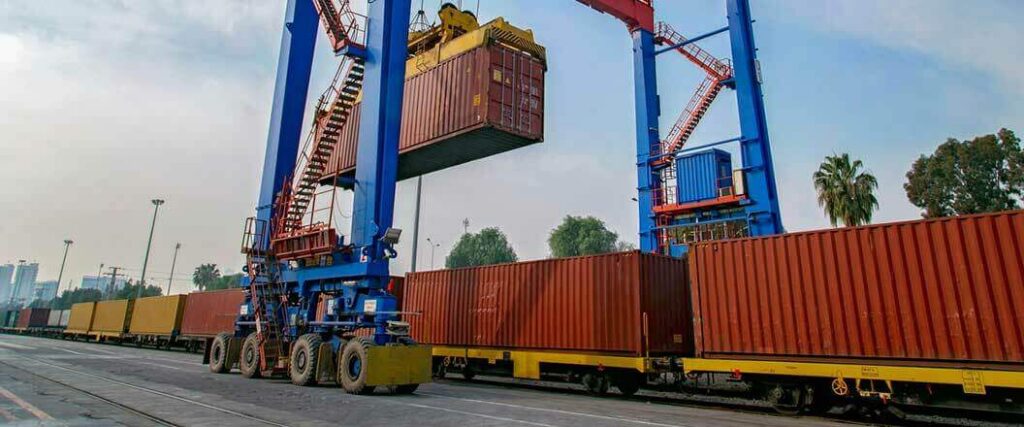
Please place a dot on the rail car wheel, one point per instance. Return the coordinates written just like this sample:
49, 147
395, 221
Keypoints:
250, 360
219, 354
352, 369
627, 383
468, 373
595, 383
787, 399
406, 389
305, 359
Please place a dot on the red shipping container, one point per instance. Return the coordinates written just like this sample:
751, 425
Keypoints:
486, 101
33, 318
944, 290
628, 304
210, 313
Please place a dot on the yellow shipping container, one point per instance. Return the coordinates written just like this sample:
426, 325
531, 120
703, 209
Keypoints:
81, 317
157, 315
111, 317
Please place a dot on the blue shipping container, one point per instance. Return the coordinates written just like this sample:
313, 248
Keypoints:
702, 174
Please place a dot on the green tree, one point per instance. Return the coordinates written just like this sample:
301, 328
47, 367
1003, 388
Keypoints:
131, 290
205, 276
488, 247
579, 236
985, 174
226, 282
69, 298
845, 192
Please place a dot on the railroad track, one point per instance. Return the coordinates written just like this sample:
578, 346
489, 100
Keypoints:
149, 416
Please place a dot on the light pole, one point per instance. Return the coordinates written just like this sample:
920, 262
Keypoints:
177, 246
416, 224
432, 247
142, 282
60, 277
99, 275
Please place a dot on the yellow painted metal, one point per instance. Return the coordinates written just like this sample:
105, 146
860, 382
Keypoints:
526, 364
157, 315
80, 319
111, 317
397, 365
973, 381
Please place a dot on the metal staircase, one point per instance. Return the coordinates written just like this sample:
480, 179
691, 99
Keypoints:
333, 111
344, 26
267, 294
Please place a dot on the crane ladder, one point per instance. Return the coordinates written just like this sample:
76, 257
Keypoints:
265, 286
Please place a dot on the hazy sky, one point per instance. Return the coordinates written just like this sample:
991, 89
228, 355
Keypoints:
105, 105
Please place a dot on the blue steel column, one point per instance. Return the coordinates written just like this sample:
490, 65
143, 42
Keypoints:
755, 146
379, 126
293, 70
647, 112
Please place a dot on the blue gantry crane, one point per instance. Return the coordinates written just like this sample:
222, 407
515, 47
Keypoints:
318, 307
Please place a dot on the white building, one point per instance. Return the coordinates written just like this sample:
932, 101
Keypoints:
102, 283
6, 282
25, 282
45, 290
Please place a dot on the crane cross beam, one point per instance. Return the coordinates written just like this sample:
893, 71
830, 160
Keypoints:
635, 13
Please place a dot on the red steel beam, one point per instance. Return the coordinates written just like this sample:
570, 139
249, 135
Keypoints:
635, 13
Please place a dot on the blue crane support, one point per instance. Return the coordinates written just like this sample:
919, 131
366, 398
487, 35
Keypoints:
757, 208
308, 292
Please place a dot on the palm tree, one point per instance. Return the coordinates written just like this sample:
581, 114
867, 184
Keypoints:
846, 193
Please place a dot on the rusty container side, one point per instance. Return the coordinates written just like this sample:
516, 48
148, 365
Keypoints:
33, 317
81, 317
484, 102
943, 290
112, 317
207, 314
157, 315
624, 304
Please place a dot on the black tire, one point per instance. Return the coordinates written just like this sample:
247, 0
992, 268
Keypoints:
249, 361
352, 367
595, 383
219, 354
627, 383
305, 360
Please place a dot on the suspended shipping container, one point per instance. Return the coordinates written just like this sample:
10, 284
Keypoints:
33, 318
80, 319
157, 315
210, 313
479, 95
937, 291
112, 317
628, 304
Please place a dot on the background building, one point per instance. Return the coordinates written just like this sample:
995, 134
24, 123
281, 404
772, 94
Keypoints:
102, 283
6, 281
25, 282
45, 290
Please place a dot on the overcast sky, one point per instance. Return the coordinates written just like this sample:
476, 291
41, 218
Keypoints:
108, 104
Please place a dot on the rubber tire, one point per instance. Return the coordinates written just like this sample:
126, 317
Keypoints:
219, 353
249, 360
307, 350
357, 348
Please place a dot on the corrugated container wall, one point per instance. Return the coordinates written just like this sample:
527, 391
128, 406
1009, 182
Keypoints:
625, 304
948, 289
112, 316
157, 315
486, 101
700, 175
33, 317
9, 318
58, 318
210, 313
81, 317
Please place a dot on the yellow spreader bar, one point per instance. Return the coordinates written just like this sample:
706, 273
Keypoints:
526, 364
